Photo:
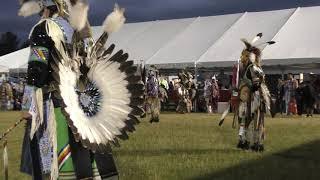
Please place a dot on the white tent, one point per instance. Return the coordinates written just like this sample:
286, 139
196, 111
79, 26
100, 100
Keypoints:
228, 49
190, 44
4, 69
297, 42
16, 60
214, 41
143, 40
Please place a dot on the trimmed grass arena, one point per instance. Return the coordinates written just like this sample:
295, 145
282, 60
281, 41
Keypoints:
193, 146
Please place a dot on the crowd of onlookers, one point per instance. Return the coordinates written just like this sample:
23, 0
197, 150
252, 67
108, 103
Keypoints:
296, 97
11, 94
293, 96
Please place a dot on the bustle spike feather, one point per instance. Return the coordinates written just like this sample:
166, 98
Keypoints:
30, 8
255, 39
115, 20
78, 15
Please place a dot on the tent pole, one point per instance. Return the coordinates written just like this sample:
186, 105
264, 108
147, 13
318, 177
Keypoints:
196, 85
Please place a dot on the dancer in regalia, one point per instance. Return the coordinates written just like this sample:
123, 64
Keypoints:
254, 96
186, 92
153, 93
83, 98
251, 97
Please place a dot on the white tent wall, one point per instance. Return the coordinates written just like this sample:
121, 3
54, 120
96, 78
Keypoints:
124, 36
214, 42
16, 59
189, 45
154, 38
4, 69
297, 42
228, 48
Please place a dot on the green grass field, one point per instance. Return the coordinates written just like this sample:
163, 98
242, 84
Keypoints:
193, 146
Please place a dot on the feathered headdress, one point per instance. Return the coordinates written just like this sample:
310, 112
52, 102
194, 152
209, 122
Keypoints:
74, 10
252, 52
31, 7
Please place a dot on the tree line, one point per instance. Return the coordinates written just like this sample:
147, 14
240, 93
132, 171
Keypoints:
9, 42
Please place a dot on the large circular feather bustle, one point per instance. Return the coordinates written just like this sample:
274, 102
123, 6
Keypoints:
117, 88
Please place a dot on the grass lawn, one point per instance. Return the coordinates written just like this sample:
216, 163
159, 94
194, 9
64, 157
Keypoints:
193, 146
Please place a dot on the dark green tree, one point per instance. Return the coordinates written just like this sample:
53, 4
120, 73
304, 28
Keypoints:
9, 42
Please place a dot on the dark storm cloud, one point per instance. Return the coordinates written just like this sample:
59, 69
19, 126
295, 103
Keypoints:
147, 10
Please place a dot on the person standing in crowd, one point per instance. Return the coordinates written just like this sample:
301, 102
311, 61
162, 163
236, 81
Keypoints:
163, 82
153, 100
6, 95
223, 79
171, 88
299, 95
207, 94
215, 94
280, 96
163, 90
290, 88
309, 96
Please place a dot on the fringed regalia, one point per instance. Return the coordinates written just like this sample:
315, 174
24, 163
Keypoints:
254, 97
84, 98
153, 93
186, 91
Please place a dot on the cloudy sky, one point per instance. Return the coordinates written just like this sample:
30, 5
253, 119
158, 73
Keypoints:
147, 10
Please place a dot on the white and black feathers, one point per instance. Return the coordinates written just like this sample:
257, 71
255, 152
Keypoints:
252, 46
29, 8
101, 94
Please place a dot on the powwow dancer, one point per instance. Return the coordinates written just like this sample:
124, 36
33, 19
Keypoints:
153, 100
186, 91
83, 98
254, 98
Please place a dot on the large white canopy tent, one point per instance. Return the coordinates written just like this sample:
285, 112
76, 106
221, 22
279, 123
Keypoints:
214, 41
4, 69
17, 60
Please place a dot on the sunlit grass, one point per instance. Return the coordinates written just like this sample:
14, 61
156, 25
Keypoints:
193, 146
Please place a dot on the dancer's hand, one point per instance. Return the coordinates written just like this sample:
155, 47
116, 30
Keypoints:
26, 115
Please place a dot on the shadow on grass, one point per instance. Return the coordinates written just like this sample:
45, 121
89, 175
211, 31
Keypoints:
302, 162
161, 152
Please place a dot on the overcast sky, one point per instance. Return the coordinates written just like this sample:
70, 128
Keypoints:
147, 10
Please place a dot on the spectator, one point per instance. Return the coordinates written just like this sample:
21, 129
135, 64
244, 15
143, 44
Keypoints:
215, 94
309, 97
6, 95
171, 87
280, 96
299, 99
290, 88
224, 80
163, 82
208, 94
